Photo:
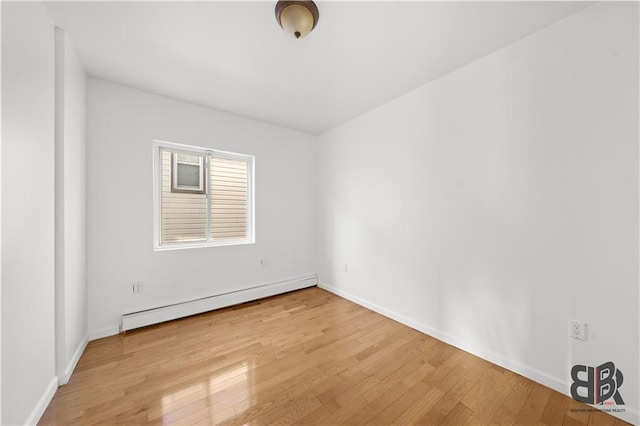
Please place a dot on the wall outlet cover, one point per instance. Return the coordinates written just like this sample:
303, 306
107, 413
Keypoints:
138, 287
578, 330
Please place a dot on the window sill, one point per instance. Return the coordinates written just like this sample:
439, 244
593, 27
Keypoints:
183, 246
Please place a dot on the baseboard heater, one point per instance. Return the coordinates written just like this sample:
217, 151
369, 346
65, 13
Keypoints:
160, 314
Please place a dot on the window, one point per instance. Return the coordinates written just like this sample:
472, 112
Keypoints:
187, 173
202, 197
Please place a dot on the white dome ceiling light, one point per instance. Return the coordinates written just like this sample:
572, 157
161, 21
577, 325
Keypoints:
297, 18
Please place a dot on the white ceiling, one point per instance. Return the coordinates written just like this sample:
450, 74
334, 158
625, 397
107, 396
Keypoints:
234, 57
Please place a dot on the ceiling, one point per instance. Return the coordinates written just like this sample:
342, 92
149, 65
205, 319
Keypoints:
233, 56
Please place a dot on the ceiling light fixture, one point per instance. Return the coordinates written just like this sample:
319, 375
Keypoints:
297, 18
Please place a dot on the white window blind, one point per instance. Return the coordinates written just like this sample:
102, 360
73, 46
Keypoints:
194, 212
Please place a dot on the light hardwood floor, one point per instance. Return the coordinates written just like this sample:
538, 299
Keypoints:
303, 357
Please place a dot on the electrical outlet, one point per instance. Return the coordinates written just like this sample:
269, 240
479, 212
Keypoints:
578, 330
138, 287
263, 261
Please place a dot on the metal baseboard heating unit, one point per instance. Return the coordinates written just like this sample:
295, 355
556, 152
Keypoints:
184, 309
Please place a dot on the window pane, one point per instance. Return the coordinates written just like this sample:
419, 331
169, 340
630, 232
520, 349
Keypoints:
228, 198
184, 214
188, 175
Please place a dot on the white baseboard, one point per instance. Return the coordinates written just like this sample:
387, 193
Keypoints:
63, 378
630, 415
104, 332
43, 402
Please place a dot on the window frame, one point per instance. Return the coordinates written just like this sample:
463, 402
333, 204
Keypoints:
158, 146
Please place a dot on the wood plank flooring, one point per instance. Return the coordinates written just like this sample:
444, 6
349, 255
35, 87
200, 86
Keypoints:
306, 357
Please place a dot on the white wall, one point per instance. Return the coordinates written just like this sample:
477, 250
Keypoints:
493, 205
0, 215
71, 276
122, 123
28, 347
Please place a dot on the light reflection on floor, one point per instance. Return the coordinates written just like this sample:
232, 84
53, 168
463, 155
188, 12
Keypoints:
240, 376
